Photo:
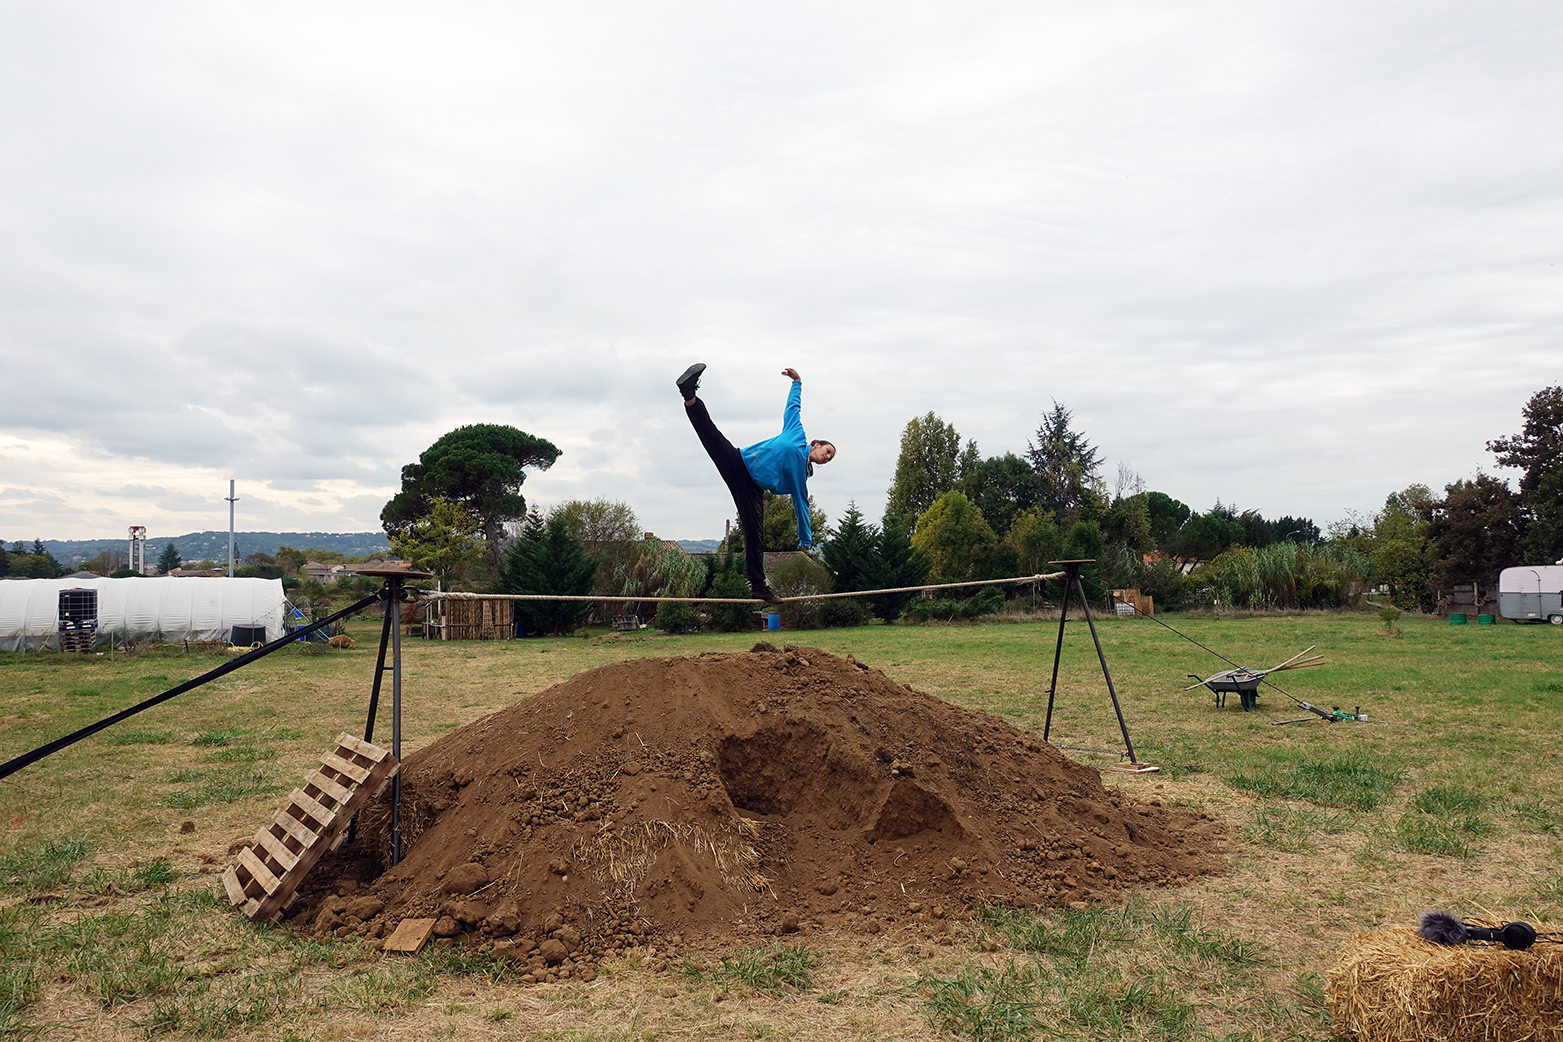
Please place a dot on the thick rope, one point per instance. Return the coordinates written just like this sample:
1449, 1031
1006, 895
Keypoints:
459, 596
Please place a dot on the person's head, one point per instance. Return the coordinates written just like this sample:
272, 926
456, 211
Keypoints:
821, 451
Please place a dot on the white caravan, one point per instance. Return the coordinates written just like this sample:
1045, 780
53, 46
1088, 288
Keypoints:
1533, 594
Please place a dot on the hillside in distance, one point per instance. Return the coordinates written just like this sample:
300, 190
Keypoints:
213, 546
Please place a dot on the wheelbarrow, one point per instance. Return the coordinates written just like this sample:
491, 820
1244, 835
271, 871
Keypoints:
1245, 682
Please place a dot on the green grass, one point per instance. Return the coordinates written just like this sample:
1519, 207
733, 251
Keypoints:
40, 868
1069, 978
985, 1003
103, 905
1352, 781
140, 738
1293, 829
225, 736
1448, 799
775, 969
226, 785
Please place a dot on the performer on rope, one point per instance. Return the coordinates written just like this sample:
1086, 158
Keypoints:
781, 465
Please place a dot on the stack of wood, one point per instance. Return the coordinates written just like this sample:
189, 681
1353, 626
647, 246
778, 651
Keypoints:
1141, 603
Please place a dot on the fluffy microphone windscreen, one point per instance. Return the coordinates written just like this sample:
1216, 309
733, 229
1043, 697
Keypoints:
1442, 928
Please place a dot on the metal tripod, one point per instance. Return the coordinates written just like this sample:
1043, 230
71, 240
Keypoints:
1072, 583
393, 594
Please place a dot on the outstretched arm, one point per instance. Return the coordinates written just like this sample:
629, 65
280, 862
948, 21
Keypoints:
789, 371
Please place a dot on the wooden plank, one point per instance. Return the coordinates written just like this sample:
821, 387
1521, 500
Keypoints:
273, 867
346, 768
312, 809
336, 791
258, 869
280, 854
295, 828
409, 935
236, 894
347, 745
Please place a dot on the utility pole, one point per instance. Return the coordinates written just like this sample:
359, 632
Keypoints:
232, 499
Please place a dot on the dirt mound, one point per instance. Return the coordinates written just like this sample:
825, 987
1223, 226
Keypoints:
729, 795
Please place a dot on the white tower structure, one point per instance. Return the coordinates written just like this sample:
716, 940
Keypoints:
138, 549
232, 499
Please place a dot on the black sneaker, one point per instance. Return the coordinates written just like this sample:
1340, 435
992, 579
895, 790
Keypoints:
689, 383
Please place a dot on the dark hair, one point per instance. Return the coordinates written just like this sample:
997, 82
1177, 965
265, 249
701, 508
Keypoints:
814, 442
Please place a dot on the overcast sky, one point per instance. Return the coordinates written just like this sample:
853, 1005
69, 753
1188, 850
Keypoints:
1291, 256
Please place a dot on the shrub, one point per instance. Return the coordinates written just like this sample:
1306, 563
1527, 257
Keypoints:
674, 617
843, 611
800, 576
989, 600
730, 618
931, 610
1162, 581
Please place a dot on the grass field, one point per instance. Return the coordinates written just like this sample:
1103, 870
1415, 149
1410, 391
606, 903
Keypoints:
112, 924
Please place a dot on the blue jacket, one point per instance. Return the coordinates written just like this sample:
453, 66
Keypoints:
781, 464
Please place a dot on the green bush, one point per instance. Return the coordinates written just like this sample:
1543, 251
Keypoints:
987, 601
730, 618
932, 610
843, 611
1163, 582
800, 576
673, 617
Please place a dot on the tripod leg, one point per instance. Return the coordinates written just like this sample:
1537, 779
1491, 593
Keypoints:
1108, 676
1058, 651
374, 702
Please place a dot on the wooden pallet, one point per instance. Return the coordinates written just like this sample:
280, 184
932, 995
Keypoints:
262, 882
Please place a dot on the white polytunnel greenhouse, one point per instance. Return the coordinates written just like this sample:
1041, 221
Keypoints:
75, 613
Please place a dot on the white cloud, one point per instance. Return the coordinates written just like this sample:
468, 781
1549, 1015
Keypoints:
1290, 257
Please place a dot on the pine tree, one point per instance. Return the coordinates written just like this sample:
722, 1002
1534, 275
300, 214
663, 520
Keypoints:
1064, 460
169, 559
850, 552
895, 563
547, 559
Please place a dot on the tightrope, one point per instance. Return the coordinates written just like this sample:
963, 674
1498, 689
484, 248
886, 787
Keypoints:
452, 595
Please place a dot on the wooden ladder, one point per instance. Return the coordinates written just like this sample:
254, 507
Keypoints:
263, 880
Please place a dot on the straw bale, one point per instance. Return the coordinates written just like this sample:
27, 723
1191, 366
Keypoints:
1393, 986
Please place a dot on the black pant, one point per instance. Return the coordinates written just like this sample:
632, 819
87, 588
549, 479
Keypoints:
748, 497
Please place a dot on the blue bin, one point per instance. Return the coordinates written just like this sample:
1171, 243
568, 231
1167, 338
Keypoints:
773, 620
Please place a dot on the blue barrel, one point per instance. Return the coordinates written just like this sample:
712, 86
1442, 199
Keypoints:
773, 620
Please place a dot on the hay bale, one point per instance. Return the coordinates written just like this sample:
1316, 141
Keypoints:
1393, 986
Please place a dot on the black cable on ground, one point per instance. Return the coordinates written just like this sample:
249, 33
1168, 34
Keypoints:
10, 767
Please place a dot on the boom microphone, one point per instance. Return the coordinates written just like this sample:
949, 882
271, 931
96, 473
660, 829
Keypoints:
1443, 928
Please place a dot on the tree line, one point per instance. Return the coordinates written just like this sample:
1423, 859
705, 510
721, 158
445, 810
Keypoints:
953, 515
1004, 515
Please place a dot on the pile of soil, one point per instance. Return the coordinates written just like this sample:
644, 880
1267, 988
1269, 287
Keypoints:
725, 796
